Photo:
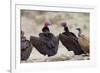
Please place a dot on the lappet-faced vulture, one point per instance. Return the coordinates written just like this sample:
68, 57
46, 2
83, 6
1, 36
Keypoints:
26, 47
46, 43
70, 41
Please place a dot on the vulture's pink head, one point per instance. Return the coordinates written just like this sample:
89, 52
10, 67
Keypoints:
45, 28
64, 24
47, 23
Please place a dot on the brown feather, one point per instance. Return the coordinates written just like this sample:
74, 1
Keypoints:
84, 43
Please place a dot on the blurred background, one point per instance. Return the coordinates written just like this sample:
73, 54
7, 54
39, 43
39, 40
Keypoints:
32, 24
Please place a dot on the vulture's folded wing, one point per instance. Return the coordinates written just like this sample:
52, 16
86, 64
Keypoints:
38, 44
71, 43
45, 44
26, 49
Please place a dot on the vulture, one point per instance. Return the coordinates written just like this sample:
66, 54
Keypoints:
83, 41
26, 47
69, 40
46, 43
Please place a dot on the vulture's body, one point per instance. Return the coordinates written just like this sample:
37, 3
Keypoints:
84, 42
46, 43
70, 41
26, 48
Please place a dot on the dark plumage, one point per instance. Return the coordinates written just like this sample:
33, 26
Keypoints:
70, 41
25, 47
46, 43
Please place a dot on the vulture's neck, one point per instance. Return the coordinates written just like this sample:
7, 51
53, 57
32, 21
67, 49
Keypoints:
66, 29
79, 33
